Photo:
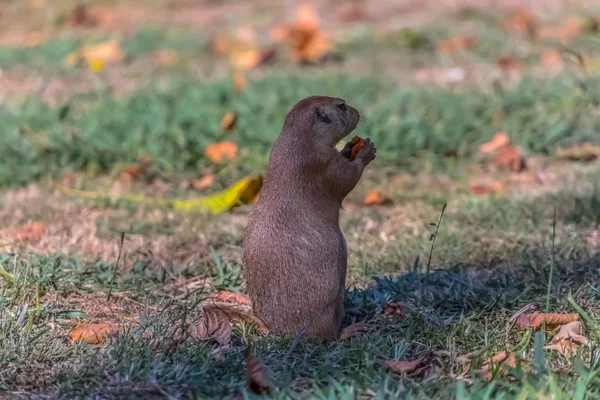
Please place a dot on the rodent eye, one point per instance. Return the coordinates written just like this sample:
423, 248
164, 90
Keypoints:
342, 106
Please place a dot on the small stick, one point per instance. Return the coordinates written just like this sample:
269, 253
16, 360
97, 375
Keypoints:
116, 267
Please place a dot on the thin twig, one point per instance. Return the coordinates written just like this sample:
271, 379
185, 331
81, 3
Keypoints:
432, 238
116, 267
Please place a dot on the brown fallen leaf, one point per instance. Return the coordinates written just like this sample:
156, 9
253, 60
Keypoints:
228, 121
258, 382
236, 311
499, 140
570, 28
455, 44
551, 59
536, 320
219, 153
522, 20
30, 232
508, 64
92, 333
131, 172
394, 309
510, 157
354, 329
204, 182
212, 324
503, 361
584, 152
403, 366
483, 186
376, 198
231, 297
242, 50
358, 143
306, 42
568, 339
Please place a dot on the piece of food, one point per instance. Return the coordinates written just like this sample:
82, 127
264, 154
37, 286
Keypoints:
358, 144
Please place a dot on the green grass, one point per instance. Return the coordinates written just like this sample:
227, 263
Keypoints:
175, 123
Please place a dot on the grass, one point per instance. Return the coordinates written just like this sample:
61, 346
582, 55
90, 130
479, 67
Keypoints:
174, 124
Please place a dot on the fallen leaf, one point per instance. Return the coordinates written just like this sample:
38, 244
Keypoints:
403, 366
108, 52
30, 232
228, 121
551, 59
358, 143
570, 28
219, 153
394, 309
568, 339
35, 39
455, 44
236, 312
485, 185
376, 198
231, 297
212, 324
584, 152
521, 21
536, 320
239, 81
499, 140
205, 181
78, 16
508, 64
306, 42
96, 65
511, 157
256, 373
354, 329
92, 333
503, 361
131, 172
165, 57
242, 50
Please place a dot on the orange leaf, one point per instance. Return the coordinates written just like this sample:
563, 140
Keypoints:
228, 121
358, 144
456, 43
570, 28
231, 297
91, 333
392, 309
204, 182
503, 361
219, 153
585, 152
568, 339
354, 329
403, 366
257, 376
511, 157
376, 198
213, 324
485, 186
551, 59
239, 81
131, 173
507, 64
521, 21
499, 140
31, 232
536, 320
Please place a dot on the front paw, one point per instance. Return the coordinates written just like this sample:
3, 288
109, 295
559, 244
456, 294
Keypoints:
347, 150
367, 153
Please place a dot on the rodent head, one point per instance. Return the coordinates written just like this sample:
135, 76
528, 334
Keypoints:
331, 118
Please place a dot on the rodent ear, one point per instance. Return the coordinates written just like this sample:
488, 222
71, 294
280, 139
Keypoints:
321, 116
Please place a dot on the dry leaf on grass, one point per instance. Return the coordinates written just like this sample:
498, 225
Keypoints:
306, 42
228, 121
219, 153
131, 172
204, 182
551, 59
507, 64
455, 44
231, 297
236, 313
81, 15
483, 186
504, 361
258, 382
354, 329
584, 152
165, 57
568, 339
394, 310
552, 321
242, 50
213, 324
570, 28
239, 81
106, 53
503, 153
499, 140
521, 21
376, 198
92, 333
30, 232
403, 366
358, 143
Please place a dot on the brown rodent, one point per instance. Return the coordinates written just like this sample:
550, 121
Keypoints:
294, 252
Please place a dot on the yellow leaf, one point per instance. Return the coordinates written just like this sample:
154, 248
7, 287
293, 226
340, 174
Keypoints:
108, 52
96, 65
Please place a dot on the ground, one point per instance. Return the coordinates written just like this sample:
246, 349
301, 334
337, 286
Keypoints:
511, 239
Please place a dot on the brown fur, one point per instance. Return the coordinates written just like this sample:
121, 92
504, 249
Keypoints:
294, 251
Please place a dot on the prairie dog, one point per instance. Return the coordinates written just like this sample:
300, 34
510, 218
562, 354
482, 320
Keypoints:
295, 254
